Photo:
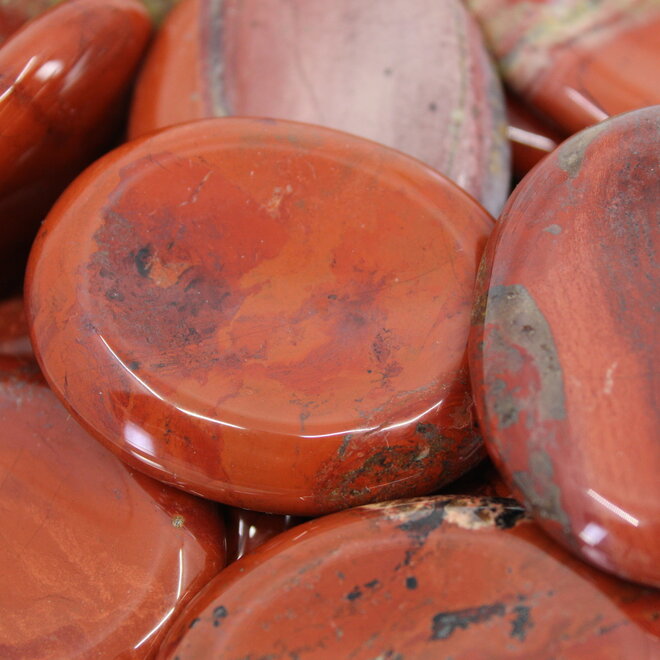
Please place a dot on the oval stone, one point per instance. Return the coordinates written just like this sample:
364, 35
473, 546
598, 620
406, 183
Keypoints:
411, 74
269, 314
459, 578
564, 346
578, 62
64, 77
97, 559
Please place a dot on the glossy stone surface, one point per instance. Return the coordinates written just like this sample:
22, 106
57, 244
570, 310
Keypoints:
266, 313
97, 560
576, 60
564, 351
247, 530
63, 77
14, 337
434, 578
531, 138
375, 69
15, 13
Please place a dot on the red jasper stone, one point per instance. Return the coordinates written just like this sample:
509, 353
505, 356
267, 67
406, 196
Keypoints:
97, 560
578, 62
62, 79
14, 336
376, 69
247, 530
434, 578
564, 345
531, 138
269, 314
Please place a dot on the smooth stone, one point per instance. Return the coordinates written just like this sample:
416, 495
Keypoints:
375, 69
247, 530
97, 560
564, 350
531, 138
269, 314
579, 62
64, 77
458, 578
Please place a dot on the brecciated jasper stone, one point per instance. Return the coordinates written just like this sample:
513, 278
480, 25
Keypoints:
97, 560
247, 530
266, 313
411, 74
578, 61
62, 78
564, 346
459, 578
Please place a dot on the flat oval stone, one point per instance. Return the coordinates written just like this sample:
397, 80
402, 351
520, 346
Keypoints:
433, 578
247, 530
564, 351
376, 69
63, 78
269, 314
97, 559
578, 62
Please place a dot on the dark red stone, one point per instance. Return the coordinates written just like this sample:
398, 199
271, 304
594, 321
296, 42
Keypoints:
63, 78
269, 314
564, 347
531, 138
14, 335
460, 578
411, 74
97, 560
247, 530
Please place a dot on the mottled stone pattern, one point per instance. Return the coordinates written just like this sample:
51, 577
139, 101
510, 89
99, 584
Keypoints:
284, 329
62, 82
459, 577
564, 351
412, 75
97, 559
579, 61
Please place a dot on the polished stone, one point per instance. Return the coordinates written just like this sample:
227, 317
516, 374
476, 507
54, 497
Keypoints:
372, 68
459, 578
269, 314
64, 76
564, 347
247, 530
97, 560
578, 61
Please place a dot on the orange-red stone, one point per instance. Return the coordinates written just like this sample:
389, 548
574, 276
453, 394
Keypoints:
459, 578
372, 68
97, 560
269, 314
579, 62
63, 77
564, 346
